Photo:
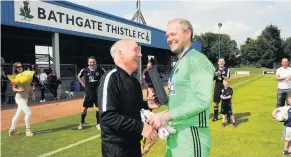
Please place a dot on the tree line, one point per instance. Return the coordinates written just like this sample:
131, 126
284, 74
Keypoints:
268, 48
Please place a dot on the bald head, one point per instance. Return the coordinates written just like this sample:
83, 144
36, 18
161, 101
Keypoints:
120, 45
126, 54
285, 62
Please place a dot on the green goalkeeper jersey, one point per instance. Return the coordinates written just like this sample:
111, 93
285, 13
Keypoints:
190, 90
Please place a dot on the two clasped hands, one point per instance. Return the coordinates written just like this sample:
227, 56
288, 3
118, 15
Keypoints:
154, 121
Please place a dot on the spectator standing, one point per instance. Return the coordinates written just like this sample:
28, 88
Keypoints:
42, 79
283, 76
4, 80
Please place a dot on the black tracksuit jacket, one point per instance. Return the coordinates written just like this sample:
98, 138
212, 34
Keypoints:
120, 101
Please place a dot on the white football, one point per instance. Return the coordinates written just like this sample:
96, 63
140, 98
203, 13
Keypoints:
280, 114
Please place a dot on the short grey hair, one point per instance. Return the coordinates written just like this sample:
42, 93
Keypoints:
113, 50
184, 23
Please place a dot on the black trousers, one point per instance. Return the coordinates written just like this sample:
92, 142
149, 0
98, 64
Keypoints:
42, 90
3, 92
54, 89
120, 150
282, 96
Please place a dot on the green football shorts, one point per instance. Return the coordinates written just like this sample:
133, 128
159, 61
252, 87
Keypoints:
189, 142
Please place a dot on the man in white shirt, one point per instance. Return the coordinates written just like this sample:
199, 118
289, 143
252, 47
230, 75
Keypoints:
283, 76
42, 79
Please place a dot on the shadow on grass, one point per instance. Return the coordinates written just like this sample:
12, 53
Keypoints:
211, 116
66, 127
239, 117
242, 117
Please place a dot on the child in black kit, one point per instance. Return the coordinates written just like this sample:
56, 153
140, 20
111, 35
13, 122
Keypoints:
226, 105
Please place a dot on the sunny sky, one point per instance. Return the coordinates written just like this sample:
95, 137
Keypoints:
239, 19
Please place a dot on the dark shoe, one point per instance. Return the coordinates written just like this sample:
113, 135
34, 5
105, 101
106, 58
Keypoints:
223, 125
285, 153
234, 125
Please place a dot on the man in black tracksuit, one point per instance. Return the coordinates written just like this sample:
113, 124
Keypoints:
120, 100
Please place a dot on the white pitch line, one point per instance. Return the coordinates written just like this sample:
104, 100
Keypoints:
70, 146
246, 81
97, 136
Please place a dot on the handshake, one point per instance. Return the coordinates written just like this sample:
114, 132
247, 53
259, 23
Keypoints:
163, 132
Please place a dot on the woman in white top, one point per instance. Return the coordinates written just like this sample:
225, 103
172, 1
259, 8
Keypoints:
21, 98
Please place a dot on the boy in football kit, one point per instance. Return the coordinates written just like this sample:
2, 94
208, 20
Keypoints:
89, 78
226, 107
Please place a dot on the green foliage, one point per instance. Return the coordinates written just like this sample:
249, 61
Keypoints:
265, 50
287, 48
249, 52
210, 47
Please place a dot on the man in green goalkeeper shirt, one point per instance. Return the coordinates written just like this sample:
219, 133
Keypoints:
190, 95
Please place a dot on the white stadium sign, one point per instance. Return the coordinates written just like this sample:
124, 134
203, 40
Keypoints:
268, 72
45, 14
242, 73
